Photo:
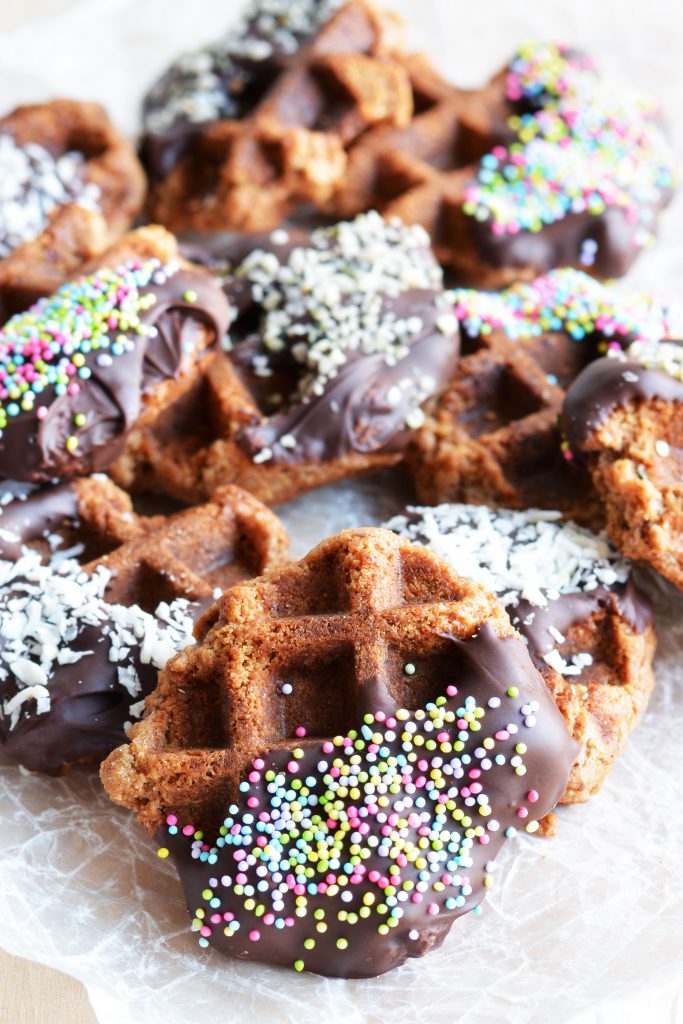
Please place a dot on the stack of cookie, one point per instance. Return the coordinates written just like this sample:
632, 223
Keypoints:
333, 751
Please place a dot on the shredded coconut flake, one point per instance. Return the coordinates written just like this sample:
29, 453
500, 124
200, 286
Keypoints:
521, 556
45, 609
33, 183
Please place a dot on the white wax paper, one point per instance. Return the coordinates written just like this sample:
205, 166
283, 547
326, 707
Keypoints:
586, 927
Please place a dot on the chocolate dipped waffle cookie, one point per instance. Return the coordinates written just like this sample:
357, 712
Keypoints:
316, 103
238, 134
71, 184
109, 350
494, 437
623, 420
337, 341
95, 599
336, 764
572, 597
548, 165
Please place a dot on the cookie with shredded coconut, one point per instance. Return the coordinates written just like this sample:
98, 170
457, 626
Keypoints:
69, 186
95, 599
572, 597
338, 339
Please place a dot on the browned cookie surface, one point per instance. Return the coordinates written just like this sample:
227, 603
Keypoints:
569, 593
624, 420
348, 746
95, 599
240, 133
71, 185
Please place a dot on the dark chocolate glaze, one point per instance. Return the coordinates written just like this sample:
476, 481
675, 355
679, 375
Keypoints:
560, 244
352, 414
606, 385
88, 710
88, 705
483, 667
243, 82
112, 398
567, 610
44, 511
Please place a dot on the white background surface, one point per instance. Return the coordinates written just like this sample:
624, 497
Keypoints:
586, 928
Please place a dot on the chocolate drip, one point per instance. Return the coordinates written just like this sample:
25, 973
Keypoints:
484, 667
112, 398
606, 385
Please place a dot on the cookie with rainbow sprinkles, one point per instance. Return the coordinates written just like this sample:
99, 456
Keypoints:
335, 766
106, 352
548, 165
495, 436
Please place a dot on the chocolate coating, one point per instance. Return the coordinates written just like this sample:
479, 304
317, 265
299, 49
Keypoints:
567, 610
88, 711
89, 706
352, 413
484, 668
33, 449
561, 243
42, 512
608, 384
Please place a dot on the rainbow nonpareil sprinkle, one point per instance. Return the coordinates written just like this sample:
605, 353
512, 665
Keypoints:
567, 300
405, 794
581, 148
45, 351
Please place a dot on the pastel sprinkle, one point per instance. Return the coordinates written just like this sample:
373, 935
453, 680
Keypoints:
580, 147
47, 348
358, 829
571, 301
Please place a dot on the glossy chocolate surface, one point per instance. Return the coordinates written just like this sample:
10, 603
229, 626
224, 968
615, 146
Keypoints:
608, 384
494, 674
112, 398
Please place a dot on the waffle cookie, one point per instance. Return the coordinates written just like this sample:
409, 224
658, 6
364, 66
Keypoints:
495, 437
571, 596
623, 419
303, 763
338, 340
70, 186
548, 165
238, 134
109, 350
95, 599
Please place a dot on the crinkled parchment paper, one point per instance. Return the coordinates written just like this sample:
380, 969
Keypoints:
587, 927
